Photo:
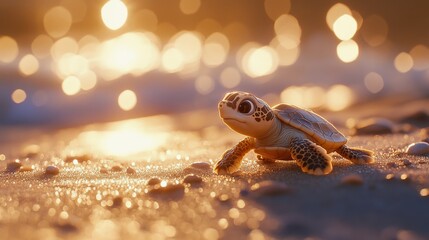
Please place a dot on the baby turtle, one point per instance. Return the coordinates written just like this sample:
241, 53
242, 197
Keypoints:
284, 132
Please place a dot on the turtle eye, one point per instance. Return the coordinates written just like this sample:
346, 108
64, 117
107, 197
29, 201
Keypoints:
246, 107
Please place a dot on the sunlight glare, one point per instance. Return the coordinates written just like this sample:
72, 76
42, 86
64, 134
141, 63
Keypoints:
339, 97
258, 62
114, 14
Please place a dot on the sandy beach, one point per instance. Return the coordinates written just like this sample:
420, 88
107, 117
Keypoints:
152, 178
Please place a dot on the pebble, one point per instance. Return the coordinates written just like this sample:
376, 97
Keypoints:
13, 166
201, 165
406, 162
153, 181
192, 179
352, 180
170, 188
103, 170
52, 170
373, 126
419, 148
392, 164
27, 168
269, 188
131, 170
116, 168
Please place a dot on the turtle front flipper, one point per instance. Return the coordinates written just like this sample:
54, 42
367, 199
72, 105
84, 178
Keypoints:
312, 158
231, 158
356, 155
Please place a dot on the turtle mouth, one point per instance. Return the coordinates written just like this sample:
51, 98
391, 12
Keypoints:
232, 119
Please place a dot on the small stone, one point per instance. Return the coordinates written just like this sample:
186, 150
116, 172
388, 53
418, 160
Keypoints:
14, 166
27, 168
406, 162
131, 170
419, 148
352, 180
269, 188
117, 201
390, 176
392, 164
116, 168
103, 170
192, 179
373, 126
153, 181
52, 170
201, 165
169, 188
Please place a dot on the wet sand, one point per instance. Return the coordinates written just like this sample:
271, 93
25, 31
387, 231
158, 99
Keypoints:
126, 180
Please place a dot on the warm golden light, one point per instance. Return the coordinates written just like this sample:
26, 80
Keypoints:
275, 8
215, 49
420, 55
77, 9
288, 31
71, 85
190, 45
114, 14
339, 97
28, 65
127, 100
335, 12
72, 64
8, 49
374, 82
189, 6
258, 62
374, 30
347, 51
403, 62
306, 97
172, 60
57, 21
345, 27
230, 77
41, 46
63, 46
204, 84
132, 52
88, 80
286, 56
18, 96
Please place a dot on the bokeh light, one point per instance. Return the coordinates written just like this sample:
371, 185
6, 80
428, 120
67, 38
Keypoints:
288, 31
204, 84
403, 62
41, 46
258, 62
172, 60
335, 12
57, 21
304, 96
374, 82
28, 65
63, 46
275, 8
88, 80
114, 14
18, 96
286, 56
420, 55
230, 77
127, 100
215, 49
347, 51
72, 64
8, 49
77, 9
345, 27
71, 85
374, 30
189, 6
339, 97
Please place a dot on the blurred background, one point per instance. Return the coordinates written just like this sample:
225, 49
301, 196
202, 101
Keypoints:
70, 62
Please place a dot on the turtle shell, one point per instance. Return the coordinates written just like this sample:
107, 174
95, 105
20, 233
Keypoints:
322, 131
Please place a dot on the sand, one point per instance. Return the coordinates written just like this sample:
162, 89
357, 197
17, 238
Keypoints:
150, 178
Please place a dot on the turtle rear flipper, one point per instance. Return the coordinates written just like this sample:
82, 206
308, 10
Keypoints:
312, 159
356, 155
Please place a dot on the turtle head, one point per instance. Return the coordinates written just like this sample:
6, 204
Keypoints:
246, 114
